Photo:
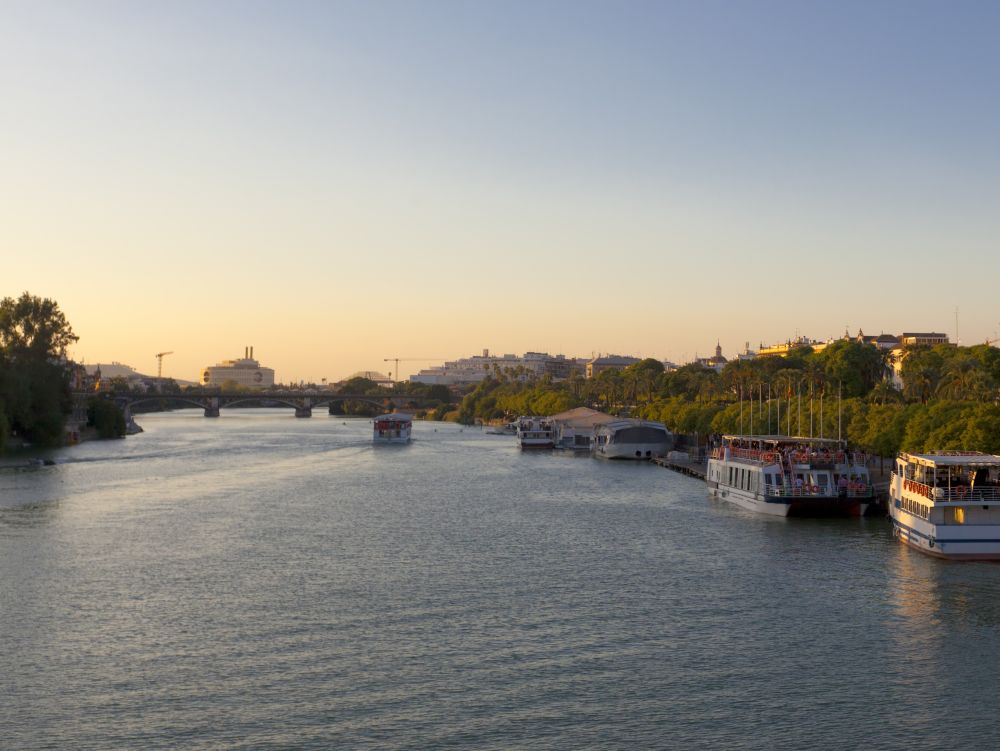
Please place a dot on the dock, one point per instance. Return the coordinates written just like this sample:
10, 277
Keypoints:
690, 468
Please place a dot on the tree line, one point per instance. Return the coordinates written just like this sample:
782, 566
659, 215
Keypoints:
949, 399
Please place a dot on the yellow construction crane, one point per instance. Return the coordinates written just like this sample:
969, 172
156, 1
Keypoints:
398, 360
159, 364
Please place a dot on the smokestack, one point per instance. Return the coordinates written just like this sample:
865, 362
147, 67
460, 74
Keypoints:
246, 354
251, 353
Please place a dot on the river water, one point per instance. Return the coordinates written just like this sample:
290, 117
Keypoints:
262, 582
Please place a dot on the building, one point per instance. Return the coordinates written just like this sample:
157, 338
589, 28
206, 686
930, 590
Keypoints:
472, 370
609, 362
717, 361
746, 354
783, 349
906, 340
885, 342
895, 347
924, 340
245, 372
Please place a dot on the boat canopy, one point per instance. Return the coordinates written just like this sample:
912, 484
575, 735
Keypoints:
394, 417
780, 440
952, 459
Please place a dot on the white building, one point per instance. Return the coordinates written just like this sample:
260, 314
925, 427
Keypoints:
470, 370
609, 362
244, 372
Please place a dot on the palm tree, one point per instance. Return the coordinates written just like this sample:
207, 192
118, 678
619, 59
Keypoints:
964, 378
885, 393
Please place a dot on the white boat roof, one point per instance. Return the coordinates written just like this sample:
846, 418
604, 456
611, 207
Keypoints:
627, 422
784, 439
395, 417
583, 417
953, 459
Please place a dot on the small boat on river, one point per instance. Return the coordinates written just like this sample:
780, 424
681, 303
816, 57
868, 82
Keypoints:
947, 503
392, 428
535, 433
790, 475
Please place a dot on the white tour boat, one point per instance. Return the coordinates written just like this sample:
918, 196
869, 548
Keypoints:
790, 475
947, 503
535, 433
393, 428
631, 439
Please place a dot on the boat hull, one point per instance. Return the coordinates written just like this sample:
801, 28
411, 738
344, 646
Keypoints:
806, 506
631, 451
948, 542
529, 444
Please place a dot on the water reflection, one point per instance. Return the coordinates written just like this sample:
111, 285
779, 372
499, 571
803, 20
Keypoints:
29, 495
927, 592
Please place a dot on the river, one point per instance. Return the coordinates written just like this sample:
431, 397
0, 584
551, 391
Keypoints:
264, 582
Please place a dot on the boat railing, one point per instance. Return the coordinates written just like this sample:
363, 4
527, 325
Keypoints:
955, 493
816, 459
853, 490
750, 455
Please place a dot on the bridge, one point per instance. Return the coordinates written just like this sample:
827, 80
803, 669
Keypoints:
302, 403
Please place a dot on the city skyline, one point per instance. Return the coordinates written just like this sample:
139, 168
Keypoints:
389, 368
339, 183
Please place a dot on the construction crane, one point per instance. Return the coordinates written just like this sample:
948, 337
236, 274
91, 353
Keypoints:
159, 364
398, 360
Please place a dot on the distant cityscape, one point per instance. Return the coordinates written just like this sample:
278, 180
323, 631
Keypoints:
248, 372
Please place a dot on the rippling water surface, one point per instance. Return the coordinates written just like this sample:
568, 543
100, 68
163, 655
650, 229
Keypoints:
262, 582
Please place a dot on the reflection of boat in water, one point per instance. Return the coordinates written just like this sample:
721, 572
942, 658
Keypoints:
394, 428
947, 503
535, 433
631, 439
790, 475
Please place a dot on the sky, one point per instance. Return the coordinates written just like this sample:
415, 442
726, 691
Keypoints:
336, 183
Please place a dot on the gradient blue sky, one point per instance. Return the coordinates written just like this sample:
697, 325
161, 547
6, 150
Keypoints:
336, 183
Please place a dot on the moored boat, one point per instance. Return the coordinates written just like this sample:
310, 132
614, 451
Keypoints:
947, 503
392, 428
535, 433
631, 439
790, 475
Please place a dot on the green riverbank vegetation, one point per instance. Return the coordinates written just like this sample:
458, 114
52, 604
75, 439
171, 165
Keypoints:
950, 400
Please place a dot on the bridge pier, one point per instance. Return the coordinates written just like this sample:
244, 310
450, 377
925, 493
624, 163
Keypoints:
303, 411
212, 407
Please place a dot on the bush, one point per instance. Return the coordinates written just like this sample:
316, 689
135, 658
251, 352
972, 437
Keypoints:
106, 418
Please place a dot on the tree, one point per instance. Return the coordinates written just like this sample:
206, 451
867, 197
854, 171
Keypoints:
439, 392
921, 371
964, 377
885, 393
34, 372
857, 366
106, 417
34, 325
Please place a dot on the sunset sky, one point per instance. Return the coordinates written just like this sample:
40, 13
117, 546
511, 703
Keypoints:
335, 183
